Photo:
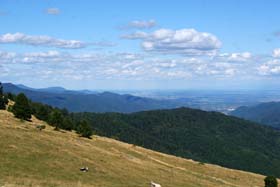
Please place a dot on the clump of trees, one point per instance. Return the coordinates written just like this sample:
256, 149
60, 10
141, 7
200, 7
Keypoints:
61, 119
3, 98
58, 118
270, 181
22, 108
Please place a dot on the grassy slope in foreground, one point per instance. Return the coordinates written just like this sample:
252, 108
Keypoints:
29, 157
210, 137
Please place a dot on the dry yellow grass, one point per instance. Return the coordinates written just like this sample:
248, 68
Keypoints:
29, 157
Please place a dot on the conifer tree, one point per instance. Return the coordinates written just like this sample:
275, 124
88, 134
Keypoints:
84, 129
56, 119
21, 108
11, 96
67, 124
2, 101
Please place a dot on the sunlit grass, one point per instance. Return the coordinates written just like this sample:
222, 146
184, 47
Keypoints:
29, 157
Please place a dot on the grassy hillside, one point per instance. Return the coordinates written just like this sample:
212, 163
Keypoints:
29, 157
209, 137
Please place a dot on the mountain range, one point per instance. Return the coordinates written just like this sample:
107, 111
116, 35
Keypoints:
264, 113
210, 137
90, 101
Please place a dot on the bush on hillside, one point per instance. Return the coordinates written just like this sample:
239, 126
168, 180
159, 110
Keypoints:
270, 181
10, 108
41, 127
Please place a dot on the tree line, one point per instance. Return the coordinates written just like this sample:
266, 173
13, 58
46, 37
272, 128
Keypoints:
58, 118
171, 131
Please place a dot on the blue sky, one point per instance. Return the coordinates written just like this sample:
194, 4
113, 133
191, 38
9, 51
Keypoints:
110, 44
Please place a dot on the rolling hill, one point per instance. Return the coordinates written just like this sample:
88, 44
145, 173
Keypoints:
85, 101
48, 158
264, 113
209, 137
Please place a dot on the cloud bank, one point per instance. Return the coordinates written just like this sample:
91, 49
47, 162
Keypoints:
128, 66
47, 41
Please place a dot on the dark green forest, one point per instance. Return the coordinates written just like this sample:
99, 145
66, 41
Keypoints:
203, 136
209, 137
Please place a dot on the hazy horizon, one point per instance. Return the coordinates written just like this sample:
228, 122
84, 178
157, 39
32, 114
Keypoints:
128, 90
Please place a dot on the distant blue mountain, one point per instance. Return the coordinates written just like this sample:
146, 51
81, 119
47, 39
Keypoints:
88, 101
53, 89
264, 113
24, 87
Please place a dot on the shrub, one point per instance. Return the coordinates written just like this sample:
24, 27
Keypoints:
201, 163
270, 181
10, 108
41, 127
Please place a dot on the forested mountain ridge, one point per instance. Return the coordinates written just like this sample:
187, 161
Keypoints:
210, 137
86, 101
264, 113
203, 136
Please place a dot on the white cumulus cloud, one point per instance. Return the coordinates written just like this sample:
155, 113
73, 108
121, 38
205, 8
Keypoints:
271, 67
276, 53
235, 57
184, 41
